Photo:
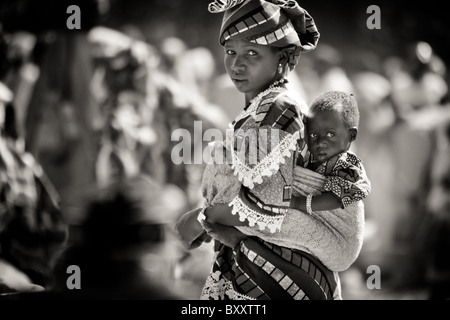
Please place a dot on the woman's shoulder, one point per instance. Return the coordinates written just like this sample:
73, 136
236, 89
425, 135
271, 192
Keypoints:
279, 109
281, 99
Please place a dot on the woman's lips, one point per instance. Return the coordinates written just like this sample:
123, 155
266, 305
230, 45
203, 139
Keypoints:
239, 83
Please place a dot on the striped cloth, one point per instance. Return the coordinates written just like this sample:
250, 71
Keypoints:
264, 271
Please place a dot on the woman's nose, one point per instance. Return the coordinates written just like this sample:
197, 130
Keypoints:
237, 64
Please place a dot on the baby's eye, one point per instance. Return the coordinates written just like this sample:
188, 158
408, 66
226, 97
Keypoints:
330, 134
313, 135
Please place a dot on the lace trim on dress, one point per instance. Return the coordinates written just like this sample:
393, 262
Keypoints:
217, 288
271, 222
268, 166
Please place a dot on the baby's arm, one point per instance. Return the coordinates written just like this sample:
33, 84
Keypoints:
321, 202
345, 182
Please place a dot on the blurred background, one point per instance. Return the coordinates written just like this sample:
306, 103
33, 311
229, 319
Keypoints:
96, 106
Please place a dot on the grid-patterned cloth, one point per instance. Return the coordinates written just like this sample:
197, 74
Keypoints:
274, 23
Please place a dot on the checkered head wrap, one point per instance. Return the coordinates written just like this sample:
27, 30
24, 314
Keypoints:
277, 23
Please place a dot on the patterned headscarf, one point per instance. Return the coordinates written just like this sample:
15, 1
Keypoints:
277, 23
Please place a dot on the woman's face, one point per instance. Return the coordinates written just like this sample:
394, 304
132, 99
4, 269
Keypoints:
251, 67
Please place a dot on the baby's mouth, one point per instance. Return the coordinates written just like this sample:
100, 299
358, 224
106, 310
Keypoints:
321, 155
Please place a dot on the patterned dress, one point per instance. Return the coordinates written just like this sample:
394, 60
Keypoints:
268, 141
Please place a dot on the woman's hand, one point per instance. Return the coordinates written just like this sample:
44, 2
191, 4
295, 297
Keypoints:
221, 213
229, 236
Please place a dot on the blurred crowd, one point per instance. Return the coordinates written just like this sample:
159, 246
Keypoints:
87, 176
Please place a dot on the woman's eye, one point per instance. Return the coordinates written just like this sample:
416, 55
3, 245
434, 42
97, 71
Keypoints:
230, 52
252, 53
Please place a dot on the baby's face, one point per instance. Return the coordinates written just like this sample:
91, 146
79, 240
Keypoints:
327, 134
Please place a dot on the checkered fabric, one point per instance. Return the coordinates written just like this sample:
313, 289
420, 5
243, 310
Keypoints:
276, 23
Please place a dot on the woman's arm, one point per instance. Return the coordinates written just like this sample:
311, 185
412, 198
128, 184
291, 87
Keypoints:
229, 236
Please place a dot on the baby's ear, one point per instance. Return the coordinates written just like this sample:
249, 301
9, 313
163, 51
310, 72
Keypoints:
353, 133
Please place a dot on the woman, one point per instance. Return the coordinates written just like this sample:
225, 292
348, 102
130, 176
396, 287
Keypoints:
262, 42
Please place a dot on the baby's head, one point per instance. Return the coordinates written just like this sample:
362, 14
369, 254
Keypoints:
332, 124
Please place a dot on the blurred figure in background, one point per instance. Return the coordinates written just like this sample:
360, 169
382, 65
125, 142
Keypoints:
422, 103
125, 109
124, 247
141, 103
324, 72
434, 234
419, 112
32, 228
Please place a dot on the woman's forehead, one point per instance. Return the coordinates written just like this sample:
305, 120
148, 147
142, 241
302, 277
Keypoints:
244, 44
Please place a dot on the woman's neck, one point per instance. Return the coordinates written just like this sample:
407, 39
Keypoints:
249, 97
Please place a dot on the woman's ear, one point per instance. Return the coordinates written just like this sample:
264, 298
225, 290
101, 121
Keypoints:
283, 62
353, 134
289, 57
284, 56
